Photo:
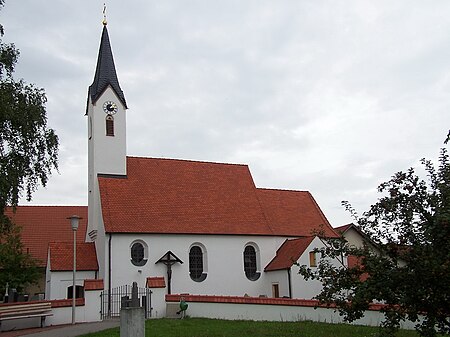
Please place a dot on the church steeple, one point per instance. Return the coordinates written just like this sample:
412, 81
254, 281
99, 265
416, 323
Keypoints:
106, 114
105, 73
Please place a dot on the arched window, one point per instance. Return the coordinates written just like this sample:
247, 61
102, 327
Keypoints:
79, 291
109, 125
251, 264
196, 264
138, 253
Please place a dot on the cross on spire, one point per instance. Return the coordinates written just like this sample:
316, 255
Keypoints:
104, 15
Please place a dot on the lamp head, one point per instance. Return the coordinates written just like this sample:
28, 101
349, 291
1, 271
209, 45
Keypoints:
74, 221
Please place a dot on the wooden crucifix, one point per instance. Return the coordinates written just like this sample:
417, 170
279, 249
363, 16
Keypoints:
169, 259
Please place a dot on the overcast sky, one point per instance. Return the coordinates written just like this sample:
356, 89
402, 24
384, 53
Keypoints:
332, 97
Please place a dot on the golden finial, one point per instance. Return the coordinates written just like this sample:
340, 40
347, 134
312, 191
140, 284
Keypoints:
104, 15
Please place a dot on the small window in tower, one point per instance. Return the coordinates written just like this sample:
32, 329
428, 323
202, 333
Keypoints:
109, 125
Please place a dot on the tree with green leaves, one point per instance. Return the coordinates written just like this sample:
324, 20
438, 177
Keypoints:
28, 154
409, 272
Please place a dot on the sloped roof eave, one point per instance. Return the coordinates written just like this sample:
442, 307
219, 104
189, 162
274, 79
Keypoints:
289, 253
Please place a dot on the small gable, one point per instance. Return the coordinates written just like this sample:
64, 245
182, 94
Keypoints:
289, 252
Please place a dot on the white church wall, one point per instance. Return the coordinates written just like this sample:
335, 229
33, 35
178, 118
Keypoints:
280, 278
225, 270
61, 280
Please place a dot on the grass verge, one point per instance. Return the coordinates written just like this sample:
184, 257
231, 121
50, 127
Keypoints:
202, 327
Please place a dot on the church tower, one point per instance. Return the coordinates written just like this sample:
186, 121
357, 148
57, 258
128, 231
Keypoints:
106, 110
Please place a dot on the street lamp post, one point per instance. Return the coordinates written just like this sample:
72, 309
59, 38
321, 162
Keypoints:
74, 221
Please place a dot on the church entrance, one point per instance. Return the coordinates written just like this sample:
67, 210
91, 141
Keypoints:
120, 297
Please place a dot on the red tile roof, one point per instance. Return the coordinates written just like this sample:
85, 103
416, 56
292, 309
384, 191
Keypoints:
288, 253
93, 285
191, 197
180, 196
294, 213
156, 282
61, 256
42, 224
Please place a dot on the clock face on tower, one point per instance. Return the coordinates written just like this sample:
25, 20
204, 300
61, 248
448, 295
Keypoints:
109, 107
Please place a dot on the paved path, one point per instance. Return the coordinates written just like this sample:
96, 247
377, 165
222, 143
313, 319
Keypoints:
64, 330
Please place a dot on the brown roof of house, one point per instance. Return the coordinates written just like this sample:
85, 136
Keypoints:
289, 252
342, 229
42, 224
61, 256
191, 197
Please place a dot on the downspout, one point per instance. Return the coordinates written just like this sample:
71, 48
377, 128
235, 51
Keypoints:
109, 273
289, 282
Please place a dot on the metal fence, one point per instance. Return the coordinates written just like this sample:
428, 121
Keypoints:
120, 297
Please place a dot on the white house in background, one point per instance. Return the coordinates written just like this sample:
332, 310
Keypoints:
179, 225
354, 236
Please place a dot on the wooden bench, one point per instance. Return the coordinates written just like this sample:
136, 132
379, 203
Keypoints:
25, 310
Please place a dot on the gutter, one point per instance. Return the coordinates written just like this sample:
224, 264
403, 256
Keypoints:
289, 282
109, 273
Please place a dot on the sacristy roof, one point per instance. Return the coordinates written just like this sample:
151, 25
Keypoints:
289, 252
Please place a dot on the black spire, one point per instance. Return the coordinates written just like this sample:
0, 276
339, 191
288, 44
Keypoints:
105, 73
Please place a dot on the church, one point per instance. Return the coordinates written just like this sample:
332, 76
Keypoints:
180, 226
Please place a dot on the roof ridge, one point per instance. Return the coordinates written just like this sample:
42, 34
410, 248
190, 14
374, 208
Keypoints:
281, 189
188, 160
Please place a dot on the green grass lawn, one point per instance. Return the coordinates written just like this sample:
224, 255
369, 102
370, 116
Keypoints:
202, 327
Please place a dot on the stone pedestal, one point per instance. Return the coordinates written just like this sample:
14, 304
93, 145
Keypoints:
132, 322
